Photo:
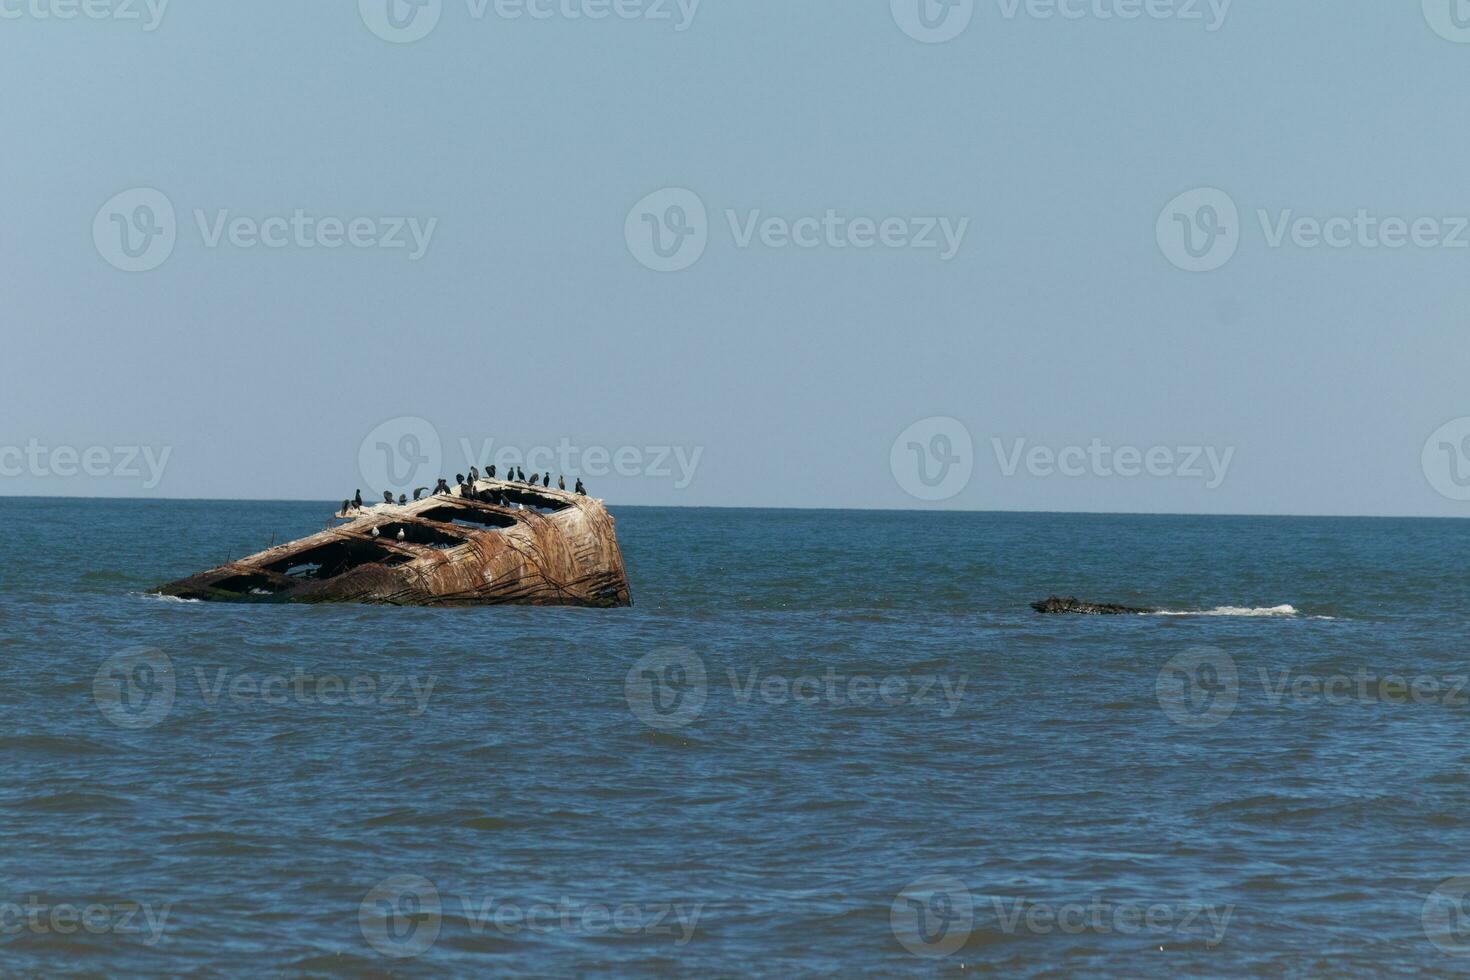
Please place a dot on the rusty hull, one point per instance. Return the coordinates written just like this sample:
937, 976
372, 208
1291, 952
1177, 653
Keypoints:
555, 549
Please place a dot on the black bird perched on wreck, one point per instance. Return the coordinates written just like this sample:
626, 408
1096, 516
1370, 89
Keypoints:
581, 489
546, 480
357, 500
441, 487
387, 496
490, 473
561, 482
419, 492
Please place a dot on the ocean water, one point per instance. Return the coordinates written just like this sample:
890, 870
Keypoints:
820, 743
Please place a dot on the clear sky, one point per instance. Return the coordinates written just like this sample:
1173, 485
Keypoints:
1041, 155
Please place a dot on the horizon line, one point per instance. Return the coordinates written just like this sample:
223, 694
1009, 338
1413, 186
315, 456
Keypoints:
855, 510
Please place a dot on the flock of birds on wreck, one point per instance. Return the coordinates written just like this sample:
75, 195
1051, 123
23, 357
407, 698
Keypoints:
467, 489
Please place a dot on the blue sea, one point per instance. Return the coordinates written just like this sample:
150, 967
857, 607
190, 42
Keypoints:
820, 743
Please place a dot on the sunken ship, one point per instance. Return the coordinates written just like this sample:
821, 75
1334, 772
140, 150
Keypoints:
504, 543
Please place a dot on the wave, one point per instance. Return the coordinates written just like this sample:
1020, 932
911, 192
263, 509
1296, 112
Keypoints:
1282, 610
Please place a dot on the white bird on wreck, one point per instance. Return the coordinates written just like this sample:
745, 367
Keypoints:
375, 532
401, 535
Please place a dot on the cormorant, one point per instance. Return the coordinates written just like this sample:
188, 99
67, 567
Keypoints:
546, 480
357, 500
387, 496
402, 499
419, 492
561, 482
490, 473
581, 489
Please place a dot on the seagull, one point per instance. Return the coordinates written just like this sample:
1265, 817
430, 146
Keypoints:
401, 535
375, 532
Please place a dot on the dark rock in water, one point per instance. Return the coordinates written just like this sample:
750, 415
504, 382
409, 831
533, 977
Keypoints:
1058, 605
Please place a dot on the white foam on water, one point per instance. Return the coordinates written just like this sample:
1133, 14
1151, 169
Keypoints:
1282, 610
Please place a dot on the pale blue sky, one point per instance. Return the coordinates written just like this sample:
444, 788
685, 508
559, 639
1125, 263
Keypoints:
529, 319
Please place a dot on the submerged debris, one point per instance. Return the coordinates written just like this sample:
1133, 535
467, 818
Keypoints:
1055, 604
501, 543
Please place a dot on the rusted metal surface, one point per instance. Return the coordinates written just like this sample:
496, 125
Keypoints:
548, 547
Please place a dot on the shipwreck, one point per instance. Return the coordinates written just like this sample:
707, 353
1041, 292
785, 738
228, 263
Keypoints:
505, 542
